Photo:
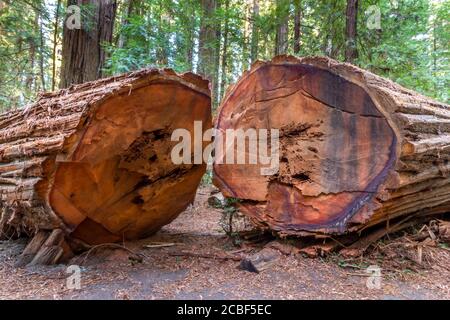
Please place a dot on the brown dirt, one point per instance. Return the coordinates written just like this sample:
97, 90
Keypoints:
108, 273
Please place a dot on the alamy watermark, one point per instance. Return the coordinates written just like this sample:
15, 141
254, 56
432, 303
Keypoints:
374, 279
73, 20
373, 14
232, 146
73, 282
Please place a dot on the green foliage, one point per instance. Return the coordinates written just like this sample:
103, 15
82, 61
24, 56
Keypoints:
411, 47
162, 37
21, 52
207, 178
229, 212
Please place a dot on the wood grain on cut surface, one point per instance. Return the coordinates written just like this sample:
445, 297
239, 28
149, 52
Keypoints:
95, 160
338, 148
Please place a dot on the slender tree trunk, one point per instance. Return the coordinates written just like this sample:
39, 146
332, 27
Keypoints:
161, 51
190, 35
255, 31
129, 11
330, 47
190, 51
435, 68
281, 39
297, 25
351, 52
83, 54
225, 51
218, 36
41, 51
245, 38
55, 44
30, 75
208, 43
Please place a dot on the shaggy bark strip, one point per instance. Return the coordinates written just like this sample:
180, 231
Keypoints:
355, 149
94, 160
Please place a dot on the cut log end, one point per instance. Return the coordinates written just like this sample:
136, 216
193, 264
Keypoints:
335, 147
338, 146
121, 181
101, 169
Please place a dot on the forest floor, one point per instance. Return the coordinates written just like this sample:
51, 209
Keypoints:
167, 273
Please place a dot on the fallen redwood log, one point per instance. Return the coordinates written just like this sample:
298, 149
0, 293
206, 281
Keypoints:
94, 160
355, 149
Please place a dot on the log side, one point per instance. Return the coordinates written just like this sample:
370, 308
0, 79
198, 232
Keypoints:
355, 149
94, 160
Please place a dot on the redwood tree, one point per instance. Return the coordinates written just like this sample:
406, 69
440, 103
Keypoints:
207, 57
255, 31
83, 54
351, 52
282, 32
297, 25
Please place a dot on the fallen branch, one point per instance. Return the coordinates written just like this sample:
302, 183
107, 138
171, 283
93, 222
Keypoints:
204, 255
159, 245
134, 255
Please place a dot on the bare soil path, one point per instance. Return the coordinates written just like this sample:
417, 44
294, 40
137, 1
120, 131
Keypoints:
108, 273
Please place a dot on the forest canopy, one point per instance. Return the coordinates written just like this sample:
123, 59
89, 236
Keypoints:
404, 40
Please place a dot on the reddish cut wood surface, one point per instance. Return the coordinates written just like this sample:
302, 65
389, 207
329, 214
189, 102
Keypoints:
336, 148
120, 181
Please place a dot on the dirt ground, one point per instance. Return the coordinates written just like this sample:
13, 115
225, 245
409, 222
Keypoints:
165, 273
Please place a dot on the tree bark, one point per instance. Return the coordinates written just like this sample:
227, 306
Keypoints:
255, 31
207, 44
245, 43
83, 55
94, 160
55, 43
131, 6
355, 149
281, 39
162, 57
297, 25
351, 52
216, 82
41, 52
225, 51
190, 33
30, 79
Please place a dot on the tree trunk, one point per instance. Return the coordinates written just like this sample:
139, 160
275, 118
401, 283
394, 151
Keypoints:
131, 6
83, 55
207, 43
206, 36
297, 25
351, 52
55, 43
331, 42
216, 81
191, 45
30, 76
189, 32
162, 57
281, 38
225, 51
255, 31
245, 37
94, 160
41, 51
355, 149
